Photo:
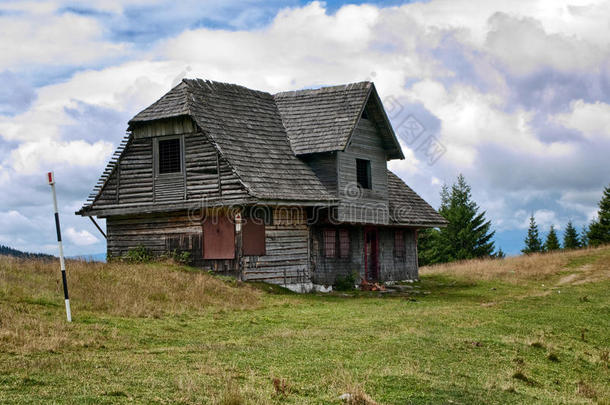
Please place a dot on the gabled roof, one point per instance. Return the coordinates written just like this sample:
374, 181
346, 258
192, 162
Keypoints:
324, 119
408, 208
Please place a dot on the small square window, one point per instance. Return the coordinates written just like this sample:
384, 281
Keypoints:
329, 242
169, 156
363, 173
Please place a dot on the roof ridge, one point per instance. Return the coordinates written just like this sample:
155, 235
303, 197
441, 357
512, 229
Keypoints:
215, 86
324, 89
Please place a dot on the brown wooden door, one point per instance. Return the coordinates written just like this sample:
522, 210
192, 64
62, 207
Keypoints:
371, 254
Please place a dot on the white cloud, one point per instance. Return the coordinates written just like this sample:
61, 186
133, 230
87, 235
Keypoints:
30, 157
80, 238
591, 119
38, 35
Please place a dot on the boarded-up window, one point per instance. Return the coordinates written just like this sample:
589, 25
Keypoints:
253, 237
344, 243
329, 242
399, 243
218, 238
363, 173
169, 156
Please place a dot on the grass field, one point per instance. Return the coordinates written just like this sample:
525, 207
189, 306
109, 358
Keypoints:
521, 330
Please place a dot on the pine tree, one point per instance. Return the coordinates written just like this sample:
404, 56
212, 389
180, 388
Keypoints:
426, 246
533, 243
570, 237
499, 254
552, 242
584, 236
468, 234
599, 230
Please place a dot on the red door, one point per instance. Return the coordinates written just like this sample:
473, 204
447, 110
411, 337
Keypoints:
371, 256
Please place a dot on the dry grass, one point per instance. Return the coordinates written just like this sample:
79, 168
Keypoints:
29, 287
533, 267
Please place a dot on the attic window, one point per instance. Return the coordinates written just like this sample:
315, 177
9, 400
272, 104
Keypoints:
364, 115
169, 156
363, 173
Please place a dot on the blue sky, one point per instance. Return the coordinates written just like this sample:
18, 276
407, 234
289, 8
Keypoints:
517, 93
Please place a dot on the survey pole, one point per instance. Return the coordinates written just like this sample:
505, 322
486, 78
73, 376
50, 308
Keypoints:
62, 262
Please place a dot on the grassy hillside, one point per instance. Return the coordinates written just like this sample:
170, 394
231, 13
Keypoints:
520, 330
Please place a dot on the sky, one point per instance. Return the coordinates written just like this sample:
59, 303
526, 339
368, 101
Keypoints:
513, 95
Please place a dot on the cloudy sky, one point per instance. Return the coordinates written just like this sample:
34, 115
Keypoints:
516, 92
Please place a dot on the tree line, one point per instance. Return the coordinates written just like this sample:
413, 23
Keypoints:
7, 251
596, 234
469, 234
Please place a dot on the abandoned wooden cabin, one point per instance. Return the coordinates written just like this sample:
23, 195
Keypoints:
290, 188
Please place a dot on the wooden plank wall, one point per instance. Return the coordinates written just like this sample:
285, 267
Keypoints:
285, 261
362, 205
150, 231
392, 268
208, 177
287, 258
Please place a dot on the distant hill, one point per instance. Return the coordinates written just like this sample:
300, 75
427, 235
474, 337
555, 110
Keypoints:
7, 251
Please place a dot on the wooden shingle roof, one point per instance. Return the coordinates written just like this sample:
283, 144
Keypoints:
246, 128
323, 120
408, 208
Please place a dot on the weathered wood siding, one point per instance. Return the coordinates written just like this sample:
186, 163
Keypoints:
206, 176
287, 258
128, 232
392, 268
285, 261
325, 270
363, 205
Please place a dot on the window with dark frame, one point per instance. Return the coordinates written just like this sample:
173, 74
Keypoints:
169, 156
399, 243
363, 173
329, 242
343, 243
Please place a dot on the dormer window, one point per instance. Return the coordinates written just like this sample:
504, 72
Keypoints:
169, 156
363, 173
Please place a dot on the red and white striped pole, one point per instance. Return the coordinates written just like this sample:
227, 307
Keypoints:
51, 179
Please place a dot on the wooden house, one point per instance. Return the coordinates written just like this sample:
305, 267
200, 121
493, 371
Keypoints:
289, 188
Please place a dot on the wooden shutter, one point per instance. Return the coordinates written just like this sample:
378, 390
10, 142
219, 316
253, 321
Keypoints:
329, 242
253, 237
218, 238
344, 243
399, 243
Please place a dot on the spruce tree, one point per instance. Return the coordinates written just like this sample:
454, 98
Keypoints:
533, 244
584, 236
599, 229
426, 246
570, 237
552, 242
468, 235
